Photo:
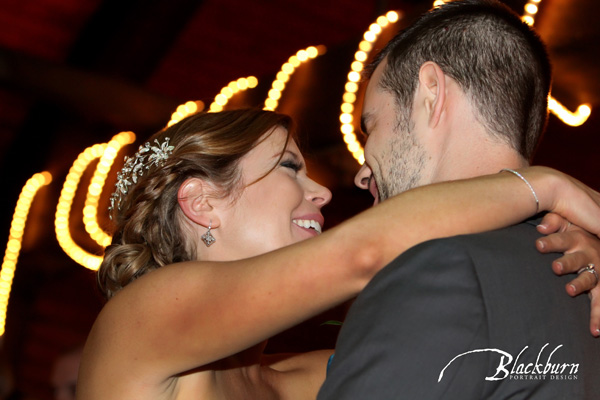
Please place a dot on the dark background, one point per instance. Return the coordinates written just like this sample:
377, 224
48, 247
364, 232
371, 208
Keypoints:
75, 72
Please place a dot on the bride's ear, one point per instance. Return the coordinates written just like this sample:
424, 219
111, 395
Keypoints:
194, 198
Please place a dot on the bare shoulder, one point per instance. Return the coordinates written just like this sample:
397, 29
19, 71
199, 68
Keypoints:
120, 355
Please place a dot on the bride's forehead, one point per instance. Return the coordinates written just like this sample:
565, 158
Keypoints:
276, 139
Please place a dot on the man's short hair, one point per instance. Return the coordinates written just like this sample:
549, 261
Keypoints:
498, 61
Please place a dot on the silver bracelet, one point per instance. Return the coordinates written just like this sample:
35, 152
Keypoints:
537, 202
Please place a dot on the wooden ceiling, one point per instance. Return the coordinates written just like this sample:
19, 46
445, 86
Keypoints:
75, 72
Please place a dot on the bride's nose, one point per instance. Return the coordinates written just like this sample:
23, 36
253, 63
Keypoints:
318, 194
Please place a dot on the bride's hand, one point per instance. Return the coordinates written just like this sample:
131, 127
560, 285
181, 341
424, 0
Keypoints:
568, 197
580, 249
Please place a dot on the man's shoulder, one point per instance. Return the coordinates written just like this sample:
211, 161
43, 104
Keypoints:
503, 269
491, 290
525, 302
503, 263
514, 241
508, 257
522, 235
498, 251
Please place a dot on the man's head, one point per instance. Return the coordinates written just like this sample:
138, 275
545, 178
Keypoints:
480, 48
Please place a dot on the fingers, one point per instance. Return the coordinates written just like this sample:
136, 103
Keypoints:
569, 242
587, 278
595, 314
552, 223
570, 263
580, 250
585, 281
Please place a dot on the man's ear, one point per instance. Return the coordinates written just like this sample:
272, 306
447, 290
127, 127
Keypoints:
194, 198
432, 83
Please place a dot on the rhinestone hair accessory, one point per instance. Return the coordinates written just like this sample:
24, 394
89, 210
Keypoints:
147, 156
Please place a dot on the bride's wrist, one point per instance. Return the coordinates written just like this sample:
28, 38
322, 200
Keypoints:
546, 183
529, 186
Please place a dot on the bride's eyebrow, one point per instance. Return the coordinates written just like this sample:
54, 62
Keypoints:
294, 155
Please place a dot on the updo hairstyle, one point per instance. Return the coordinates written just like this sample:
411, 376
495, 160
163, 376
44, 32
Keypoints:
148, 223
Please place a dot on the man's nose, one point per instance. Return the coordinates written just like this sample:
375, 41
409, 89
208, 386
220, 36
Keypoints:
363, 176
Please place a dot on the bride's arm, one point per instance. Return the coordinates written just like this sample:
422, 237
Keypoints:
187, 315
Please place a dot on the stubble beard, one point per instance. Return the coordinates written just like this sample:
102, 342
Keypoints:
405, 158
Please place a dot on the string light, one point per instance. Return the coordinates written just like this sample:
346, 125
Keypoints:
228, 91
90, 209
349, 98
584, 110
530, 11
63, 209
107, 152
13, 247
347, 127
184, 110
287, 69
573, 119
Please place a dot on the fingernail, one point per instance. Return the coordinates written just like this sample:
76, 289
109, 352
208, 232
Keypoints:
597, 332
560, 268
543, 226
541, 244
573, 288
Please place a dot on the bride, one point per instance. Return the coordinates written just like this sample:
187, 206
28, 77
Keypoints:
209, 257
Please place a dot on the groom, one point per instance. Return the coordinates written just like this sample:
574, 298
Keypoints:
463, 92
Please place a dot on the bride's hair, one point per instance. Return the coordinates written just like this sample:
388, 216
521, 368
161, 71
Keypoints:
148, 230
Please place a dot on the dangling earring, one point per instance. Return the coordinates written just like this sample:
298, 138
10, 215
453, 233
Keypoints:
208, 238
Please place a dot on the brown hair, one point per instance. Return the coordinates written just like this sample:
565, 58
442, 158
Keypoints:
498, 60
148, 232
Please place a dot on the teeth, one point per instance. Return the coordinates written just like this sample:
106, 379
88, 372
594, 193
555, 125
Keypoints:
308, 223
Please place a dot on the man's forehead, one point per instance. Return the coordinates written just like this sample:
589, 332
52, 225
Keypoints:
377, 74
371, 101
373, 85
371, 98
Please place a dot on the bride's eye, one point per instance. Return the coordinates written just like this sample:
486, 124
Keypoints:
293, 165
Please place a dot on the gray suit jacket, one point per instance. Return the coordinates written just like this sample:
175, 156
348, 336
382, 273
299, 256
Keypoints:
469, 317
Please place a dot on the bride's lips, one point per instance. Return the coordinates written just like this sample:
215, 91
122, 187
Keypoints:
312, 223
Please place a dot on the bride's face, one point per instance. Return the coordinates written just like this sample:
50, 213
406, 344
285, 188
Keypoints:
282, 208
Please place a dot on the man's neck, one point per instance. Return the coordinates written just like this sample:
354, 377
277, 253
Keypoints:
477, 162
